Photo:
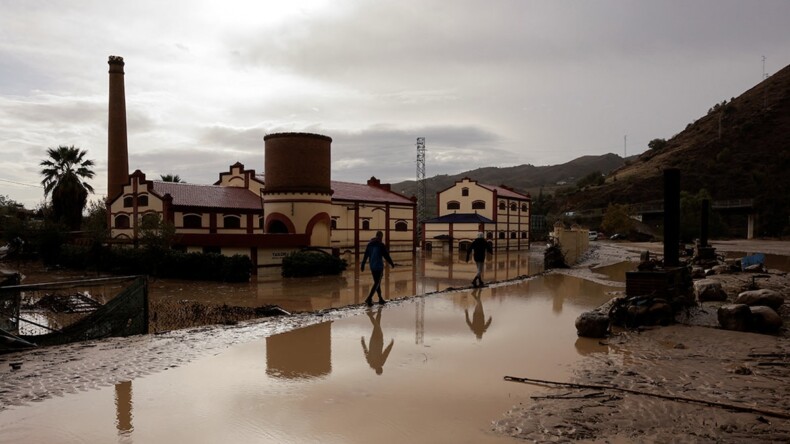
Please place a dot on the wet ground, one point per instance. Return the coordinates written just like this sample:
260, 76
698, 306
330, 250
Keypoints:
421, 369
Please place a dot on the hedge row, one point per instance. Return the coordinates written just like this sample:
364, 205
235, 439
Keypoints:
158, 262
312, 263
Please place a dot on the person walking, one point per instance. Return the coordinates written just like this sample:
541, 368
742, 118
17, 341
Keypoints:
479, 247
377, 252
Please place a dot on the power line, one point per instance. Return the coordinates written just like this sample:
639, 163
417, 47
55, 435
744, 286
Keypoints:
21, 183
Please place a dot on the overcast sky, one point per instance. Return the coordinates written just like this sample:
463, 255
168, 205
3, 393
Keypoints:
487, 83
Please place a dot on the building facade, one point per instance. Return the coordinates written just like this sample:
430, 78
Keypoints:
469, 207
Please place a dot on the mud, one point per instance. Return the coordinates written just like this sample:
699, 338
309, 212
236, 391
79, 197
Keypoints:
694, 361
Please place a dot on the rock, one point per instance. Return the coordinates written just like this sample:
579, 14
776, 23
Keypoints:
756, 268
735, 317
697, 272
592, 324
660, 313
769, 298
733, 264
720, 269
765, 319
709, 290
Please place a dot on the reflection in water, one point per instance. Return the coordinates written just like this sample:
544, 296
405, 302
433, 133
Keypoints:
123, 408
478, 324
301, 353
374, 354
586, 346
616, 272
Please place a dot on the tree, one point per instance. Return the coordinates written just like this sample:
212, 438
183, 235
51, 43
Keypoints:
657, 144
64, 176
616, 219
593, 179
171, 178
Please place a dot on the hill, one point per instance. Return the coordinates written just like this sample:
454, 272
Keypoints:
522, 178
739, 150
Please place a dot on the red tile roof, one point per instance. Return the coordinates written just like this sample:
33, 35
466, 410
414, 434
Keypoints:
208, 196
504, 192
367, 193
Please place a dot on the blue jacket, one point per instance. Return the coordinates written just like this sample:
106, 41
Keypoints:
376, 251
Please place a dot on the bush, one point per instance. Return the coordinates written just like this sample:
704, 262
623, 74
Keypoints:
159, 263
312, 263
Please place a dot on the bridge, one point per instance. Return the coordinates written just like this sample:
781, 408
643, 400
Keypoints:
656, 207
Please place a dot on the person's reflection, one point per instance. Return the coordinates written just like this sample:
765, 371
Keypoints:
478, 323
374, 354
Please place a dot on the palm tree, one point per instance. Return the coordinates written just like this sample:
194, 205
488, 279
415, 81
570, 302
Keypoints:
171, 178
64, 174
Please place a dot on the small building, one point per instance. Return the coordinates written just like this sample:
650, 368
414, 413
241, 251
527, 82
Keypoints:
469, 207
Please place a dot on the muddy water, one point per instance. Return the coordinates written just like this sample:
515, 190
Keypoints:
422, 370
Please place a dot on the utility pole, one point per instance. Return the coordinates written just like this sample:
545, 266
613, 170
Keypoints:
625, 146
421, 193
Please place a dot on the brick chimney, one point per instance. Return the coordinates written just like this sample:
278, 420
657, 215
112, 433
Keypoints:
117, 149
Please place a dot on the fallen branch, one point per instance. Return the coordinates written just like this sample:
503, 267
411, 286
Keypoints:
738, 408
587, 396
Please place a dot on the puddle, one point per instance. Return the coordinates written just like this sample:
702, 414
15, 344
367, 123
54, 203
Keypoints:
423, 370
772, 261
616, 272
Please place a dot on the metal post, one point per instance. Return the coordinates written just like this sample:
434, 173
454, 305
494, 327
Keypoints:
671, 217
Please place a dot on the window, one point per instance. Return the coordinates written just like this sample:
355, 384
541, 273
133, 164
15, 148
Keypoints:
150, 220
122, 221
260, 223
453, 205
401, 225
366, 224
277, 227
523, 234
128, 202
231, 221
479, 205
333, 224
142, 200
464, 191
513, 207
193, 221
489, 235
501, 234
512, 234
524, 208
502, 205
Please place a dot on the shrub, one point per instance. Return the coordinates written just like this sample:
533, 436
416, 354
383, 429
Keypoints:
312, 263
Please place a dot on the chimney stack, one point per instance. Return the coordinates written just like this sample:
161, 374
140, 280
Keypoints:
117, 148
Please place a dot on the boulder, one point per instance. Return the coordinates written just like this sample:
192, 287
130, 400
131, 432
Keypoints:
697, 272
769, 298
709, 290
592, 324
735, 317
765, 319
660, 313
720, 269
756, 268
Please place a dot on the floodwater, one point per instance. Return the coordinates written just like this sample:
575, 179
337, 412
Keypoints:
772, 261
421, 370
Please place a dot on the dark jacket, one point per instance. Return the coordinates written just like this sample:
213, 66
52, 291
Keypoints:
479, 247
376, 251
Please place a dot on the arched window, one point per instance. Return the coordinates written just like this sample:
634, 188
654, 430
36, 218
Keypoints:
231, 221
501, 234
128, 202
333, 224
122, 221
453, 205
277, 227
489, 235
401, 225
523, 234
502, 205
479, 205
523, 208
512, 234
150, 220
366, 224
193, 221
464, 191
142, 200
513, 207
